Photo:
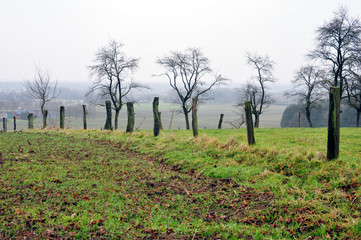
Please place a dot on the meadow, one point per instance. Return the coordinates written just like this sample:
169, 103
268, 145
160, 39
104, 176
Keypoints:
100, 184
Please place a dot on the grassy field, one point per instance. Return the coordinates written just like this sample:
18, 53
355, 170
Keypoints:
208, 117
99, 184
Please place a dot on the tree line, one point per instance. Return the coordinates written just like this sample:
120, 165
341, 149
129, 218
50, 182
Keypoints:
335, 61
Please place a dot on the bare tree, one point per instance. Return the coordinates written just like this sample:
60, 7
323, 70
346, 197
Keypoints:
307, 87
259, 99
186, 72
111, 72
255, 91
354, 91
42, 88
337, 44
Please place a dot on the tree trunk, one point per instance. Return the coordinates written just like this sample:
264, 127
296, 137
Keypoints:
131, 118
30, 121
62, 116
256, 120
156, 116
45, 116
333, 140
299, 119
308, 116
220, 121
14, 123
249, 123
116, 117
84, 117
358, 118
108, 122
194, 117
185, 111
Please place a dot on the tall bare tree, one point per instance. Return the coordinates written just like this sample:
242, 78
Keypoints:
186, 72
307, 87
337, 44
42, 88
354, 90
255, 91
111, 73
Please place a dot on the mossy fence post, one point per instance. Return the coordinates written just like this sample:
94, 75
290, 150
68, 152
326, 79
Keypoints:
62, 116
131, 117
45, 116
30, 120
156, 126
160, 121
333, 140
84, 117
108, 122
194, 117
14, 123
249, 123
5, 124
220, 121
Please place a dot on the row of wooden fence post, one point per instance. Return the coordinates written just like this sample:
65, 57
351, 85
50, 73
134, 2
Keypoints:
333, 140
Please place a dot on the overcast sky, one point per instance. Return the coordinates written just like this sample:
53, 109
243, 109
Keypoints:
63, 35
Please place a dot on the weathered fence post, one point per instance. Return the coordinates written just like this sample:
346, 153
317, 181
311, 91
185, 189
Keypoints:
30, 120
156, 127
108, 122
5, 124
333, 140
171, 120
84, 117
62, 116
249, 122
45, 116
194, 117
131, 117
299, 119
160, 121
14, 123
220, 121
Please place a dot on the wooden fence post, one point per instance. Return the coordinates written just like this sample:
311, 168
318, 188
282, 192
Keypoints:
131, 117
62, 116
5, 124
171, 120
333, 140
45, 116
108, 122
30, 120
249, 122
14, 123
220, 121
160, 121
194, 117
84, 117
156, 127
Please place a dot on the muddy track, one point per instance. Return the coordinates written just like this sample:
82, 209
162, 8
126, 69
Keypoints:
145, 185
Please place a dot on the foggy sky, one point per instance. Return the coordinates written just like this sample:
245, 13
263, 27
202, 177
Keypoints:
63, 36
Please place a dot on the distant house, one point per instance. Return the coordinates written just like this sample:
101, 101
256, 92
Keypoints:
23, 113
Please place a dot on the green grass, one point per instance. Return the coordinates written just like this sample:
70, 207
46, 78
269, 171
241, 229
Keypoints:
93, 184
